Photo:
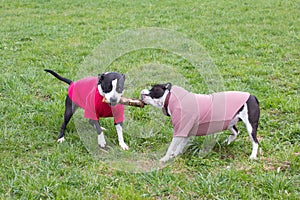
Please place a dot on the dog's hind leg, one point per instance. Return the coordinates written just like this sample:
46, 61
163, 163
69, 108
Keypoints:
70, 108
250, 116
234, 133
101, 139
253, 118
232, 127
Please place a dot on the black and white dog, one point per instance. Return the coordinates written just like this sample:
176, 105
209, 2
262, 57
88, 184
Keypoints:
91, 94
198, 114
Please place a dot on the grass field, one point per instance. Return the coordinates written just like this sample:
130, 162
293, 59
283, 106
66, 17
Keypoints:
254, 44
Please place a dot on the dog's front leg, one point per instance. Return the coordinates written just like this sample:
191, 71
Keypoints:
176, 147
101, 139
181, 145
120, 136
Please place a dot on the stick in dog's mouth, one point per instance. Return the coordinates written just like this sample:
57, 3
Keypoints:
128, 102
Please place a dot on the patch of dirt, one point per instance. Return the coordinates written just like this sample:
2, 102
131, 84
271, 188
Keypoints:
272, 165
43, 97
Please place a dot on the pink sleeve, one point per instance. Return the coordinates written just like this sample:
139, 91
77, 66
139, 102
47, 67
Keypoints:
90, 110
182, 125
90, 115
118, 113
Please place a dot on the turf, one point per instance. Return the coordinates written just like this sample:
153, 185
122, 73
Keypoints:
254, 44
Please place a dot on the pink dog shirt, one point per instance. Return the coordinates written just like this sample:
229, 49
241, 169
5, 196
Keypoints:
85, 94
198, 114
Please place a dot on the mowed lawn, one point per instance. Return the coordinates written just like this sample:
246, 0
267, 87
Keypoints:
254, 44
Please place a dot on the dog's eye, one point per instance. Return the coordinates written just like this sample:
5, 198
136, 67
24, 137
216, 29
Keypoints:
156, 93
119, 89
107, 88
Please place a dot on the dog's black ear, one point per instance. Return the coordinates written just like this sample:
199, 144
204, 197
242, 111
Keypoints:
122, 77
168, 86
100, 78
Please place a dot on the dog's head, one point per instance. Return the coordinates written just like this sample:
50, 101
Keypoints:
111, 86
156, 96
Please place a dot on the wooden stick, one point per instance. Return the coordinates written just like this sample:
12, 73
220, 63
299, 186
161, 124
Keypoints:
129, 102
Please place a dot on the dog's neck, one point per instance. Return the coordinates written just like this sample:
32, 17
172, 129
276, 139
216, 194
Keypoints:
166, 104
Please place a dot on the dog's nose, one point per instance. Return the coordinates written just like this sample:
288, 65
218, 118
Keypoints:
143, 96
145, 91
113, 100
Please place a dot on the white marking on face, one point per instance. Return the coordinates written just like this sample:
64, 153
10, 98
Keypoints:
156, 102
159, 103
145, 96
100, 90
144, 93
113, 96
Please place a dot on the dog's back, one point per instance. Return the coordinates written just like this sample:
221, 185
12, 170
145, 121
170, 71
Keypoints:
198, 114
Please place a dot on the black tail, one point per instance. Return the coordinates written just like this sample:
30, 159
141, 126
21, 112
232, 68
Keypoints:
58, 76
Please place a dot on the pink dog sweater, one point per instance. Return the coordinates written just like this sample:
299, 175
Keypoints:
198, 114
85, 94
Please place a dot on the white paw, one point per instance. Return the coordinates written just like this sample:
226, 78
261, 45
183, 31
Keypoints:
124, 146
253, 157
230, 139
60, 140
101, 140
225, 142
102, 144
164, 159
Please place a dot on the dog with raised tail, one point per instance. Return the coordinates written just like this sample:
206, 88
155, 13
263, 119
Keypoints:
99, 97
198, 114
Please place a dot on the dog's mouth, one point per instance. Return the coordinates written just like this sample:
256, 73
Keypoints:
108, 102
143, 97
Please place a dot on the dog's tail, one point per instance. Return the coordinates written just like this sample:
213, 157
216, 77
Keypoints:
68, 81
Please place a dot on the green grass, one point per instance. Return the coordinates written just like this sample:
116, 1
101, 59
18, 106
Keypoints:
255, 45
